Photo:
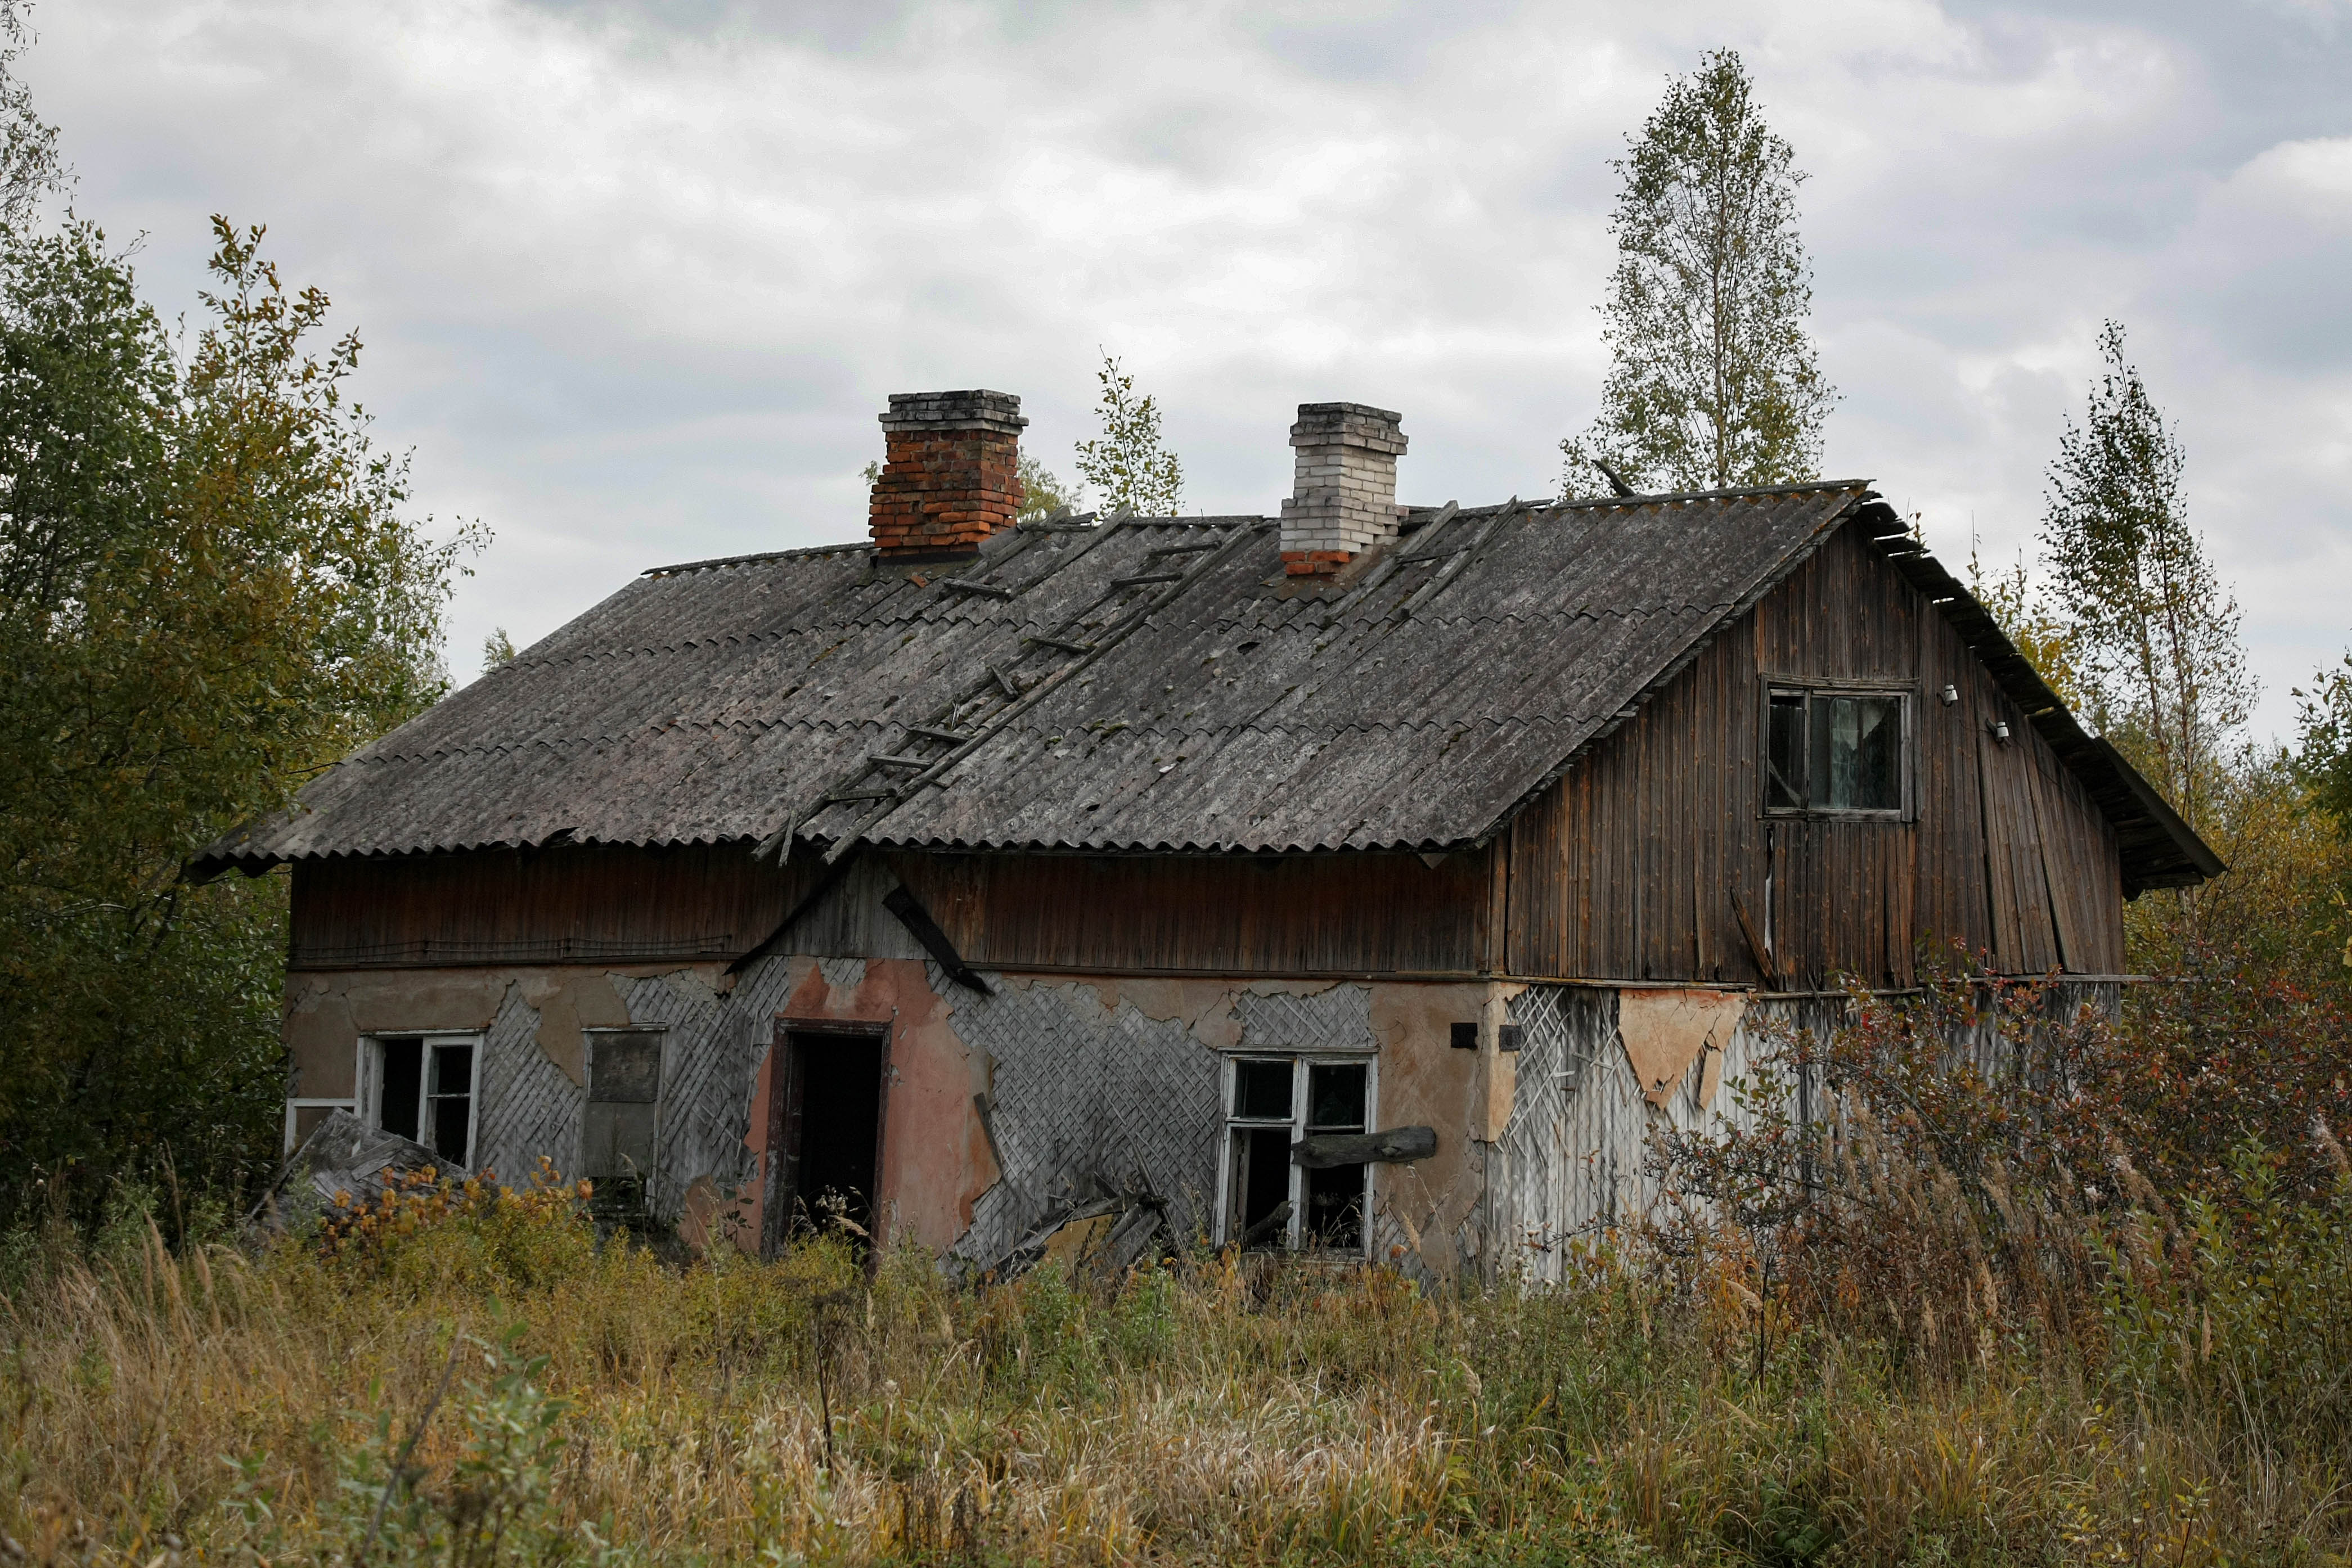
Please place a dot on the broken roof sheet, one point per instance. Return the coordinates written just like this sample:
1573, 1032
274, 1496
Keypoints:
1147, 684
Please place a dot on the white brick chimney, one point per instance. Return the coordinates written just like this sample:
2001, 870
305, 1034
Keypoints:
1343, 501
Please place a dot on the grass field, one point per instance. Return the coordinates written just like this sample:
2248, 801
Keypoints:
479, 1379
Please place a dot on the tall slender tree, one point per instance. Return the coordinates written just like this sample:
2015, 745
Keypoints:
2153, 631
1712, 378
1137, 476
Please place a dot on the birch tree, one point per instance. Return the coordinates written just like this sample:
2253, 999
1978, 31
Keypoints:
1137, 476
1712, 377
2153, 631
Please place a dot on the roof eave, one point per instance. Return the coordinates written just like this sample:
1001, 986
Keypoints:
2155, 847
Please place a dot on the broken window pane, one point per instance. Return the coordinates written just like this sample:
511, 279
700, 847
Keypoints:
1335, 1207
1335, 1097
1335, 1196
399, 1094
1861, 752
1784, 753
1262, 1091
1261, 1184
450, 1102
1264, 1180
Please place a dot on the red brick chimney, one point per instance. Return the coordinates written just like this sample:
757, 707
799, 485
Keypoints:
950, 473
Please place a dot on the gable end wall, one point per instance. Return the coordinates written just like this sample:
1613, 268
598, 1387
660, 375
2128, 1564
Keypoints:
1629, 867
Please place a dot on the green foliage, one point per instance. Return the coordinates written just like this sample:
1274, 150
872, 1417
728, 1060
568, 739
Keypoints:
1126, 463
427, 1233
1224, 1409
2032, 626
30, 165
1712, 380
2278, 917
498, 648
2207, 1065
1043, 495
486, 1504
2131, 627
2242, 1313
2323, 717
2153, 631
209, 592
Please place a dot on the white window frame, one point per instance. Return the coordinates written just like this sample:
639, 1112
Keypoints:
368, 1103
1294, 1233
300, 1103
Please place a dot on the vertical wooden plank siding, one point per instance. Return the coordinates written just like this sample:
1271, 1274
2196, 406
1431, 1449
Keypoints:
1210, 915
572, 903
1626, 868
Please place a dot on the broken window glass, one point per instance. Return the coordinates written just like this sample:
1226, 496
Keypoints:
400, 1075
1784, 753
1262, 1090
1272, 1200
423, 1091
1335, 1196
449, 1103
1860, 750
623, 1093
1829, 751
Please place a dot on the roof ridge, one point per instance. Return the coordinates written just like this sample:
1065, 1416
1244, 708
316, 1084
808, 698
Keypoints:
718, 560
1804, 488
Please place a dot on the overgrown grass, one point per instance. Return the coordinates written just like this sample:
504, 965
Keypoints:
572, 1401
1959, 1322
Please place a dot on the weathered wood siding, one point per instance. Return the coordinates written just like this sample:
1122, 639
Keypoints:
1637, 863
1209, 915
1632, 867
583, 904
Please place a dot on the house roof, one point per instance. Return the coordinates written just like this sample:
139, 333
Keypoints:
1139, 685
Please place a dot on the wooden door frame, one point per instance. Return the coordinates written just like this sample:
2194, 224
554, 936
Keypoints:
785, 1081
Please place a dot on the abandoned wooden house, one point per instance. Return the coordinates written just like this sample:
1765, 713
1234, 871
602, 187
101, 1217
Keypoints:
977, 869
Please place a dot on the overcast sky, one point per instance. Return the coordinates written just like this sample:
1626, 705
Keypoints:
635, 280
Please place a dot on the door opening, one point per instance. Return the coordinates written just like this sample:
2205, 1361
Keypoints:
831, 1132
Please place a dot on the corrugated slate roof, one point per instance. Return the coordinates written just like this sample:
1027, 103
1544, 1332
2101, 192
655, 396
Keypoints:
1146, 683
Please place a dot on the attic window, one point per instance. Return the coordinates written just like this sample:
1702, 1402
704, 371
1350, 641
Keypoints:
1832, 752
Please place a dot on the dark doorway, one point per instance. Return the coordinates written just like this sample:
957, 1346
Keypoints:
830, 1132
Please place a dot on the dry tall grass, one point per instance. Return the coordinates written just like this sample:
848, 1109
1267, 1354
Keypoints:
221, 1405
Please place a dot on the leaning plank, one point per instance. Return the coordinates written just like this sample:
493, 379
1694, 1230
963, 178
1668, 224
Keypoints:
925, 930
1397, 1146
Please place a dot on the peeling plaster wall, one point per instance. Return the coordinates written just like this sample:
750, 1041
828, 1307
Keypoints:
1569, 1162
533, 1074
1088, 1085
1001, 1111
1601, 1072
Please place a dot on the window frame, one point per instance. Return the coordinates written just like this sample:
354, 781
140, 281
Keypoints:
1907, 696
367, 1102
298, 1103
1294, 1235
591, 1036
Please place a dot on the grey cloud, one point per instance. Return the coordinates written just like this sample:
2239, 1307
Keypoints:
636, 279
